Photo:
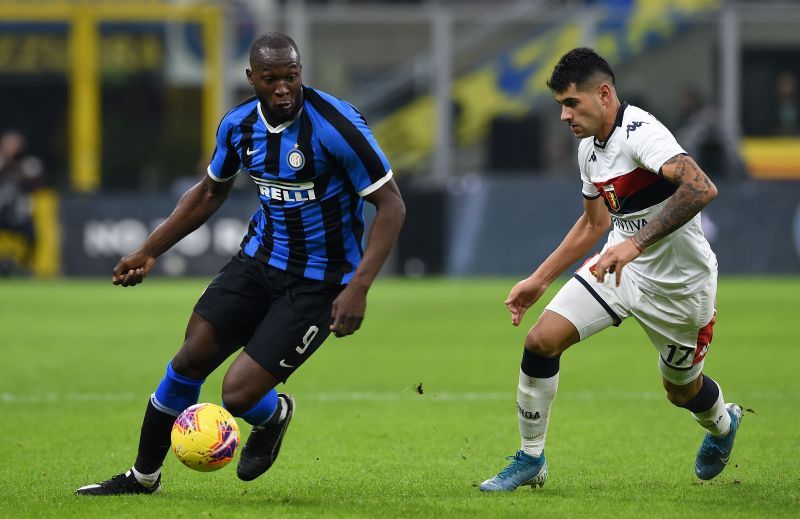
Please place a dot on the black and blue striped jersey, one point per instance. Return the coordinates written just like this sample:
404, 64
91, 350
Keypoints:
311, 173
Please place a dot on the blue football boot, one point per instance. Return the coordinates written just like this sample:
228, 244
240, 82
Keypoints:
714, 453
523, 470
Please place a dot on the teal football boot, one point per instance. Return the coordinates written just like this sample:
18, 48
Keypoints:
523, 470
714, 452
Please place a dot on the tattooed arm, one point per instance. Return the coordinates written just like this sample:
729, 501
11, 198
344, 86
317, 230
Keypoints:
694, 192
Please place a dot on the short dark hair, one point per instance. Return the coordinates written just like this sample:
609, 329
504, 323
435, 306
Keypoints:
272, 41
577, 66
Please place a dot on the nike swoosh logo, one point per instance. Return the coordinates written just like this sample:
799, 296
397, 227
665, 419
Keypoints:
250, 152
283, 364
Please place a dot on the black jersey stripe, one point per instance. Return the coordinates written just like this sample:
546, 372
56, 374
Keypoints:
298, 254
272, 161
267, 244
647, 197
230, 166
337, 264
252, 230
304, 136
366, 154
246, 129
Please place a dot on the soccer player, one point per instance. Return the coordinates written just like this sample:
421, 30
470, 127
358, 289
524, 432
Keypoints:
656, 266
301, 273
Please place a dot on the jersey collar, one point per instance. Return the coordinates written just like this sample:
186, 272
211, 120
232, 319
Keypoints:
617, 123
280, 127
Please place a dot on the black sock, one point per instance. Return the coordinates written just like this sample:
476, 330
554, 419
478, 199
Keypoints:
154, 440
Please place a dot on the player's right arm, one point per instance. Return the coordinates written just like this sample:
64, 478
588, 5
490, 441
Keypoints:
193, 209
590, 227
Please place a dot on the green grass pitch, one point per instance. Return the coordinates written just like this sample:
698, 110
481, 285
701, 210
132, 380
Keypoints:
80, 358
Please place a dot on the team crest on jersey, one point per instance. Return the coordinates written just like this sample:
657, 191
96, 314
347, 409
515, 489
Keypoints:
611, 197
296, 159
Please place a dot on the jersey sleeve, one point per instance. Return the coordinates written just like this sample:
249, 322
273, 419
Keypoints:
589, 190
225, 162
652, 145
352, 143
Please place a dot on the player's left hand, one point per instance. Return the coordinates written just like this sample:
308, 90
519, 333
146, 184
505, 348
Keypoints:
614, 258
347, 312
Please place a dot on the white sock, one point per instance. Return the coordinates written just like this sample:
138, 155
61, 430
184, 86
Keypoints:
534, 397
716, 420
147, 480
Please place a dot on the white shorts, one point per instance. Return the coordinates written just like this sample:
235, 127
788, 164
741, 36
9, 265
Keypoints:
680, 328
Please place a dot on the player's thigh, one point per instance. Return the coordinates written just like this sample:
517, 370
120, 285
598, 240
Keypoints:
297, 323
203, 350
681, 330
589, 305
225, 316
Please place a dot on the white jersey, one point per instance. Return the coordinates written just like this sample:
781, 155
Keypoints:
625, 171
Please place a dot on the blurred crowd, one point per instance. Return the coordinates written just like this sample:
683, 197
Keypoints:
21, 174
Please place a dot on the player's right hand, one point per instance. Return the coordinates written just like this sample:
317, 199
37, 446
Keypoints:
522, 297
132, 269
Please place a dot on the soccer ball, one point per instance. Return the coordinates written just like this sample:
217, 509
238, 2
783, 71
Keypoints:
205, 437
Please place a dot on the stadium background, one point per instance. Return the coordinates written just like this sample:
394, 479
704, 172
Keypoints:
120, 101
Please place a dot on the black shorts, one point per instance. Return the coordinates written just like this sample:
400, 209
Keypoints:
279, 318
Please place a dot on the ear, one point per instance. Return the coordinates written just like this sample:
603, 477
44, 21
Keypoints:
249, 75
605, 92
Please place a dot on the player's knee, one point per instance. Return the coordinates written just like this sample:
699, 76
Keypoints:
541, 343
238, 400
188, 364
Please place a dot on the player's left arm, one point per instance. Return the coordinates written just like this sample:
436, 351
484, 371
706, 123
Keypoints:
351, 304
695, 191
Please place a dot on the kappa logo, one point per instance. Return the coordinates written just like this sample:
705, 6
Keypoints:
593, 158
611, 197
632, 127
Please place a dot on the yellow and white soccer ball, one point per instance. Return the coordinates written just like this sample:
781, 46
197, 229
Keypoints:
205, 437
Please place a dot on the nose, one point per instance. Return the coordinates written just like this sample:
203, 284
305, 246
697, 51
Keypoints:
566, 113
281, 89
